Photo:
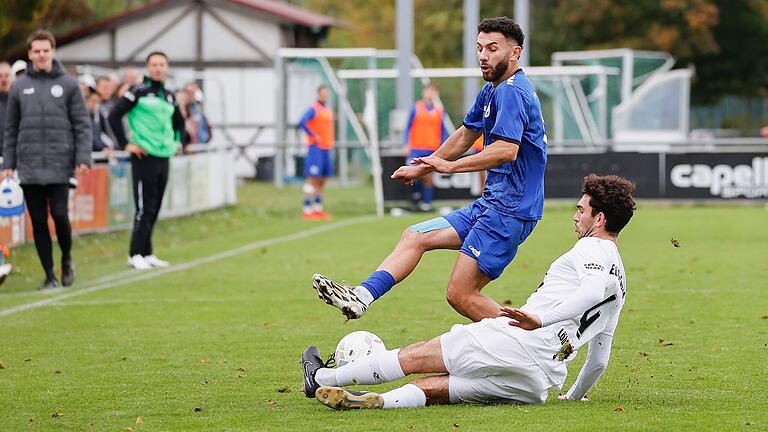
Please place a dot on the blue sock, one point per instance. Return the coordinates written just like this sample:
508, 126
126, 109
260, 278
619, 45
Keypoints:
307, 204
427, 196
379, 283
318, 199
417, 189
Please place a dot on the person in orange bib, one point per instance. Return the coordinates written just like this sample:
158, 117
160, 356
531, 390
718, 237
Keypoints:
317, 123
424, 133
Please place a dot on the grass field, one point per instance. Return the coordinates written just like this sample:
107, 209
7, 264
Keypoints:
213, 343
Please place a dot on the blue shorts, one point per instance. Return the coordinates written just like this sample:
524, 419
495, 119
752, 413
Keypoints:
489, 237
414, 153
318, 162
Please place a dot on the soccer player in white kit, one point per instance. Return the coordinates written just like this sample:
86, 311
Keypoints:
520, 355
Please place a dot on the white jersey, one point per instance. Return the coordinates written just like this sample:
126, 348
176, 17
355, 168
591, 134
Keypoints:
553, 346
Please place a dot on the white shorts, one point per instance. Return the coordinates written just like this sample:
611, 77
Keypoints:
487, 364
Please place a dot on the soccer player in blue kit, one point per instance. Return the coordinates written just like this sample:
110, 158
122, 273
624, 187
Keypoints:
487, 232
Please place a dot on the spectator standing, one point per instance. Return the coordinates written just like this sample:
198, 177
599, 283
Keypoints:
101, 139
197, 124
317, 122
6, 78
424, 132
156, 125
46, 102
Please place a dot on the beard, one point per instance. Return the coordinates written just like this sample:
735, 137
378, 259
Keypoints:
496, 72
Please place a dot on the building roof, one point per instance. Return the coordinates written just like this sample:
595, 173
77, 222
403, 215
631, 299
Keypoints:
284, 12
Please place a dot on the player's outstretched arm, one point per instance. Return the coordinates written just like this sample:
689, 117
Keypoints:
597, 361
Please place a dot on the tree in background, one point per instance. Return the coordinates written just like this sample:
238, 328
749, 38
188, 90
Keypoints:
18, 18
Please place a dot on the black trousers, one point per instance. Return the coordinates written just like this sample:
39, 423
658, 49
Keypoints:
150, 175
39, 198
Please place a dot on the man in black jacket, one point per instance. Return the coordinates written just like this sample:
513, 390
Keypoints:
47, 135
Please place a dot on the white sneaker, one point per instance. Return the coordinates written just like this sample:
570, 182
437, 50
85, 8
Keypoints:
139, 262
340, 296
155, 261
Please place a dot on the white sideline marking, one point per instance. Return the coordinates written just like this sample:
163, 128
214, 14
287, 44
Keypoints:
136, 276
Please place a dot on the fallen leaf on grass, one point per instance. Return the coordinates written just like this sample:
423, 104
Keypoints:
663, 343
128, 429
764, 317
272, 403
204, 361
642, 354
57, 415
507, 302
455, 426
242, 369
618, 409
2, 366
284, 390
198, 409
675, 242
139, 420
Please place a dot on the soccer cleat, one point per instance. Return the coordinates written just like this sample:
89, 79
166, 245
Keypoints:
155, 261
309, 216
67, 272
340, 399
139, 263
50, 283
5, 270
310, 363
339, 296
322, 215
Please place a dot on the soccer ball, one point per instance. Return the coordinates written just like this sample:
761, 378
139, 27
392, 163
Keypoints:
355, 345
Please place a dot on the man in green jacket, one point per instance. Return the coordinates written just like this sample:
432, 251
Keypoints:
156, 124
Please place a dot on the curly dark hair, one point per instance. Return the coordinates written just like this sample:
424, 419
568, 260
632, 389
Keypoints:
611, 195
503, 25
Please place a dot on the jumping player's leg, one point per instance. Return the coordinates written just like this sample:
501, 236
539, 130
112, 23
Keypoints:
414, 242
464, 290
439, 233
488, 248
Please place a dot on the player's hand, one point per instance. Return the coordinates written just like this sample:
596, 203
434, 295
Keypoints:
7, 173
563, 397
407, 174
83, 169
135, 150
520, 318
764, 132
437, 163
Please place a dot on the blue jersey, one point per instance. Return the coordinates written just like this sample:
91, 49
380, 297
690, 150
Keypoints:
511, 112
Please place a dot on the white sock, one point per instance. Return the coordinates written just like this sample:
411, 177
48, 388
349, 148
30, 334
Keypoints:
363, 294
407, 396
376, 368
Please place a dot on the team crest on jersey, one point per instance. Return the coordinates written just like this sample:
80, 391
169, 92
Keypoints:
57, 91
487, 110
